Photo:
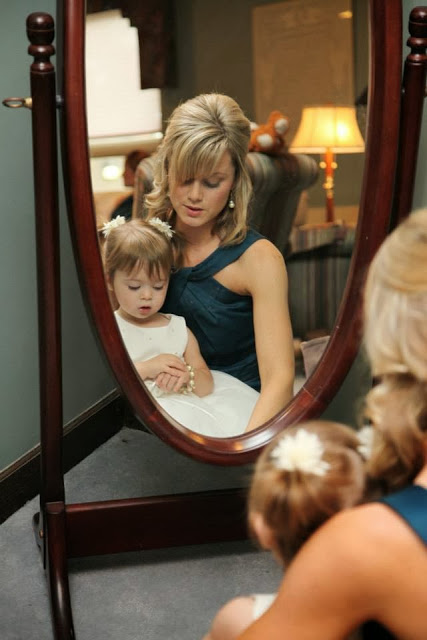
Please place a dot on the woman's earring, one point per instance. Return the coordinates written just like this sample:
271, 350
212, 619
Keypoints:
231, 203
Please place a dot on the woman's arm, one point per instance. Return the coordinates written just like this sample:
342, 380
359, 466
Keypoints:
351, 570
266, 280
202, 376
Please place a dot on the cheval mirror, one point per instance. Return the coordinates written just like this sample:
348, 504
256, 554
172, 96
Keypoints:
394, 111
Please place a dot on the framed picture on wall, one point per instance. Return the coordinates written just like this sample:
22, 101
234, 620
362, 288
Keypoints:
303, 55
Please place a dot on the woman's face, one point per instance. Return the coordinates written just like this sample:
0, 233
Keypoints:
199, 200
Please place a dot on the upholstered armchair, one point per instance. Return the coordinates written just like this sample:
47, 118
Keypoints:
278, 182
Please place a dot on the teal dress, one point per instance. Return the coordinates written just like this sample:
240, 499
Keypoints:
411, 505
221, 320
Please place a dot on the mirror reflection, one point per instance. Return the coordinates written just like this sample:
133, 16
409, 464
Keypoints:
165, 352
288, 205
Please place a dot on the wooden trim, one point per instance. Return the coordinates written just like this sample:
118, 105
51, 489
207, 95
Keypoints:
20, 481
96, 528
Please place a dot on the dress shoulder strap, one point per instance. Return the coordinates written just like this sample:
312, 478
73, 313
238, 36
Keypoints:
411, 504
222, 257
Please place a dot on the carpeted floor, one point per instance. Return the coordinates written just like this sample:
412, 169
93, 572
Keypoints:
168, 594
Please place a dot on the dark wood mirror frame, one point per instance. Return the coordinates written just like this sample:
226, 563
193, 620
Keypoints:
377, 191
65, 531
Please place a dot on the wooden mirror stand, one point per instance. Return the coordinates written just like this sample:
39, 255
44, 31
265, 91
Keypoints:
70, 530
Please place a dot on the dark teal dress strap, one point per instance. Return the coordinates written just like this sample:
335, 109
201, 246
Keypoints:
221, 320
411, 505
220, 258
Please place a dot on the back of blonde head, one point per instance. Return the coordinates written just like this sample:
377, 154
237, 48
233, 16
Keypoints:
395, 312
295, 503
198, 133
395, 316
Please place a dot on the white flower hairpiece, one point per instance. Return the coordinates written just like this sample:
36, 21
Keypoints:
115, 222
366, 439
301, 452
162, 226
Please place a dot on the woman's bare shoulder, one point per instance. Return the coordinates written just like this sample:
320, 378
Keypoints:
367, 523
263, 258
263, 248
359, 541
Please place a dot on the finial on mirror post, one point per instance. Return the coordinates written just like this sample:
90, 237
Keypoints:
40, 33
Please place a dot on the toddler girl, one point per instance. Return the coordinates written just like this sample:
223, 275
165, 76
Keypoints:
138, 259
306, 475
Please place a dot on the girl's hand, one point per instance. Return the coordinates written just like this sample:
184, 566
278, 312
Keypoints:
203, 381
172, 383
165, 363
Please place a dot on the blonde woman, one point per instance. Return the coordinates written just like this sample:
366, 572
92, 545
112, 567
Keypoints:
230, 283
368, 565
301, 479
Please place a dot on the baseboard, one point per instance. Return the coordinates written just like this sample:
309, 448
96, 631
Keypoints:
20, 481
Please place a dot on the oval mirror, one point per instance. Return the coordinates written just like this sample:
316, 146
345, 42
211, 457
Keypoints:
381, 142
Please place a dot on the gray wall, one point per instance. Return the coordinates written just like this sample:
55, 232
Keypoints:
86, 378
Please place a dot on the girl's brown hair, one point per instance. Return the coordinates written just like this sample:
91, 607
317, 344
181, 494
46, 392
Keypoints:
137, 244
295, 503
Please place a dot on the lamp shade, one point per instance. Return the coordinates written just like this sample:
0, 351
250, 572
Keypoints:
328, 127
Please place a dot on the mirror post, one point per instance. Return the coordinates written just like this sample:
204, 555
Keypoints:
49, 524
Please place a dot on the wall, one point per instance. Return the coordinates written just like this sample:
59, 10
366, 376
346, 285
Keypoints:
215, 54
86, 378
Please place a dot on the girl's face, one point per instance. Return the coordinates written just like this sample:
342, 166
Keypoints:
198, 201
139, 295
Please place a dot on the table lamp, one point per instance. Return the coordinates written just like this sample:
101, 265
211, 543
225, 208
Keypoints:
328, 129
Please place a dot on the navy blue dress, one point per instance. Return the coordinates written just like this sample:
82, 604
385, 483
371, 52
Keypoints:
221, 320
411, 504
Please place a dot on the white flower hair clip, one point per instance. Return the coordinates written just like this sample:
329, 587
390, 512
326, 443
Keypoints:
162, 226
115, 222
366, 439
301, 452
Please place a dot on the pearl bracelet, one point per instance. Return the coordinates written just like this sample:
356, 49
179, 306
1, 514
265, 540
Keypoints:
191, 385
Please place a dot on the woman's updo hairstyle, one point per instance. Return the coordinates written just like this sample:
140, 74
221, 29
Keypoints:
199, 131
397, 408
395, 306
395, 337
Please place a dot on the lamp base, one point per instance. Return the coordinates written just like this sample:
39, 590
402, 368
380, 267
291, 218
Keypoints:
329, 165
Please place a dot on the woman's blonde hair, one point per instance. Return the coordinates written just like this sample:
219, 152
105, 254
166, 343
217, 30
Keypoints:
198, 133
295, 503
395, 307
397, 409
137, 244
395, 337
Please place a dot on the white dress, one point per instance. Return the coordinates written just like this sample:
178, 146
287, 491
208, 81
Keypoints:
223, 413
